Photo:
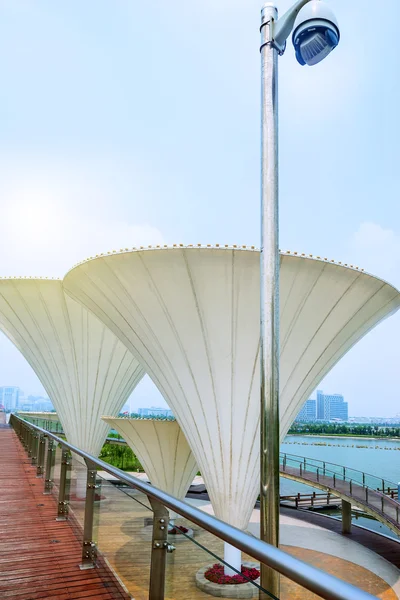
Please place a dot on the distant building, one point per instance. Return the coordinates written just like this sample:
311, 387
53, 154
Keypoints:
155, 411
321, 409
326, 407
309, 411
34, 403
337, 408
9, 397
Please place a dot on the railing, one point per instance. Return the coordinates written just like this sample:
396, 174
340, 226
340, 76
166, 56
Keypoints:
374, 493
313, 499
42, 446
322, 467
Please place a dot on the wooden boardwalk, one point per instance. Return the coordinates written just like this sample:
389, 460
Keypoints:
39, 557
380, 506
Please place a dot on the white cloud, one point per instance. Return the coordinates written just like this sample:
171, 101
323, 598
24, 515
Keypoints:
57, 245
52, 217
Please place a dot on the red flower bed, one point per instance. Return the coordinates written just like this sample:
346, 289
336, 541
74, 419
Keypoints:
216, 575
178, 529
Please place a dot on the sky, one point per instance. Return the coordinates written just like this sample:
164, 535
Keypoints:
128, 123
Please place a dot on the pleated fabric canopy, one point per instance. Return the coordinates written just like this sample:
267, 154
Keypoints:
191, 316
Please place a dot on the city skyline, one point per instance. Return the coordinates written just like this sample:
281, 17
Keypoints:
146, 396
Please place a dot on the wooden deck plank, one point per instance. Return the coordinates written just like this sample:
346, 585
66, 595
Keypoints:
39, 556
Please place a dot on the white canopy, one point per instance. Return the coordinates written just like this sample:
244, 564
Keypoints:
191, 316
86, 371
163, 451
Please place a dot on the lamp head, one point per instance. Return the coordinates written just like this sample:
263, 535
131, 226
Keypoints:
315, 33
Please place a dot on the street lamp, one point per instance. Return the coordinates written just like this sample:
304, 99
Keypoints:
315, 35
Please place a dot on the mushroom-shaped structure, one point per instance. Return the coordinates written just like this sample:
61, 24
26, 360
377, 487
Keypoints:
162, 449
191, 315
85, 369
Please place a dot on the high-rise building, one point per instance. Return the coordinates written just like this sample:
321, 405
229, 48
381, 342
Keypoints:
326, 407
308, 412
321, 409
9, 397
331, 406
337, 407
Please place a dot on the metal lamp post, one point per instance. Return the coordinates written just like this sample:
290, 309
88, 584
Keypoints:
316, 34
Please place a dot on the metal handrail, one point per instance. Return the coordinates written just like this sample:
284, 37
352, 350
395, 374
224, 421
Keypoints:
380, 479
303, 469
313, 579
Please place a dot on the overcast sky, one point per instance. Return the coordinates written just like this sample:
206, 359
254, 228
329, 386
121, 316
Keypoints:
126, 123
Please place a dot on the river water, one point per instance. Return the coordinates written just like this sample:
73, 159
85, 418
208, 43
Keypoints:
376, 457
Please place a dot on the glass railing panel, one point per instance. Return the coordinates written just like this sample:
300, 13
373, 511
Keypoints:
197, 564
123, 533
56, 470
77, 493
61, 481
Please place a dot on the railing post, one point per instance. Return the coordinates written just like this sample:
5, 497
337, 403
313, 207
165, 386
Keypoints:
334, 480
62, 512
48, 476
30, 441
284, 462
363, 479
351, 487
301, 470
317, 473
23, 436
344, 473
35, 444
383, 486
383, 504
89, 553
324, 468
305, 464
40, 460
159, 549
397, 514
366, 495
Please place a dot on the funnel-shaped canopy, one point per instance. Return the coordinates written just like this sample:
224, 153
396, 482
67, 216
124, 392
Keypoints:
86, 371
163, 451
191, 315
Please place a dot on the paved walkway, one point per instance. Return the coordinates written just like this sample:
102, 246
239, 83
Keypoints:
383, 546
39, 556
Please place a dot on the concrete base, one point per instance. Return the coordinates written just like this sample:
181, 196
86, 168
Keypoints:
239, 590
84, 567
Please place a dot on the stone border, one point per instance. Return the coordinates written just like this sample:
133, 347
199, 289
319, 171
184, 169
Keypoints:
238, 590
